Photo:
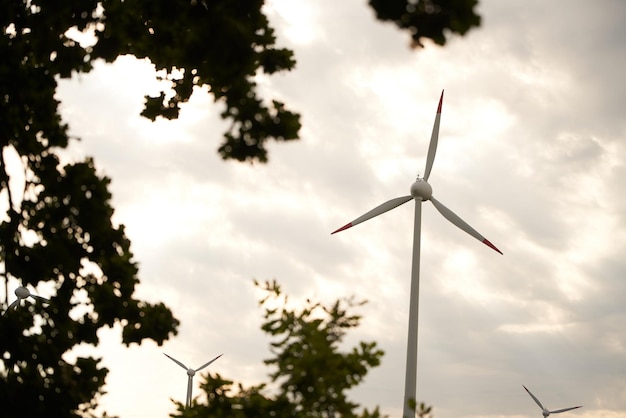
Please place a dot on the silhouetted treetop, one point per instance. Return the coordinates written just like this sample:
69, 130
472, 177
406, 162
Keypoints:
217, 45
429, 19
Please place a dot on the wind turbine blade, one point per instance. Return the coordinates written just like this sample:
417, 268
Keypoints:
177, 362
432, 147
565, 409
189, 385
40, 298
207, 363
379, 210
12, 305
535, 399
452, 217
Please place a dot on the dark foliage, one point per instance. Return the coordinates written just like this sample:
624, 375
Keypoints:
59, 233
429, 19
220, 45
56, 228
312, 372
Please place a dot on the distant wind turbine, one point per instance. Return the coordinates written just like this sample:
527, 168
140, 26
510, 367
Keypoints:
420, 191
190, 373
544, 410
23, 293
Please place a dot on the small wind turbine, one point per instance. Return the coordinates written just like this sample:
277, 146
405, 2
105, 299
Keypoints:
544, 410
190, 373
420, 191
23, 293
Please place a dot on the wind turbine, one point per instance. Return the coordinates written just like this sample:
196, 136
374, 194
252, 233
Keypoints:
545, 411
23, 293
420, 191
190, 373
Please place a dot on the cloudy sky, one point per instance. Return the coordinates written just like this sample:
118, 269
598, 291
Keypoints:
531, 153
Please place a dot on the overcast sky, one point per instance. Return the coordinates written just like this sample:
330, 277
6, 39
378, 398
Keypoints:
531, 154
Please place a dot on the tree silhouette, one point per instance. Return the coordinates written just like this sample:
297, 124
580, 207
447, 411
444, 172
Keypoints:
217, 45
428, 19
58, 232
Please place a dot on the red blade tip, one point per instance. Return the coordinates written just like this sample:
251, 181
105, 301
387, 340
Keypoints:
440, 102
342, 228
487, 243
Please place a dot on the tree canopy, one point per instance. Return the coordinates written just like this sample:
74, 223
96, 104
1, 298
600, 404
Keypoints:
312, 371
429, 19
217, 45
58, 234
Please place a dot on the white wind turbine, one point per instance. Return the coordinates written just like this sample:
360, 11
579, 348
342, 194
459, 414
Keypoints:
420, 191
544, 410
23, 293
190, 373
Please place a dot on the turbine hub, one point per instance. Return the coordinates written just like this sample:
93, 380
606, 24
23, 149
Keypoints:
191, 372
22, 293
421, 189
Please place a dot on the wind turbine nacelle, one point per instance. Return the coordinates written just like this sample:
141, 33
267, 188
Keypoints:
421, 189
22, 293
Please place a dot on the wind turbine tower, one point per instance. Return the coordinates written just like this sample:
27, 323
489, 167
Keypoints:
420, 191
